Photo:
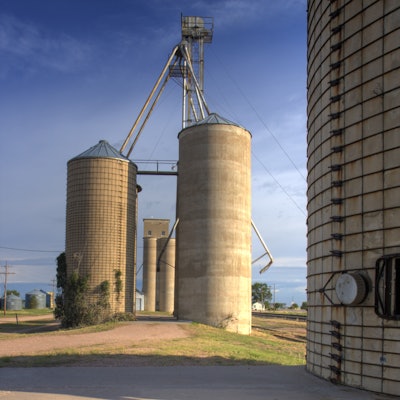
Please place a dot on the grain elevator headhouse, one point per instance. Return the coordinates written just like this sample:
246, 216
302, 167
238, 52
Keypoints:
204, 273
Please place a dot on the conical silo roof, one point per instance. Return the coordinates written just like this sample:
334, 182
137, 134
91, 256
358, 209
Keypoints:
102, 150
12, 297
36, 292
214, 118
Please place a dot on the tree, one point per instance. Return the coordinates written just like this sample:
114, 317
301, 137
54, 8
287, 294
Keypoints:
260, 292
76, 307
61, 284
14, 292
61, 270
304, 305
32, 303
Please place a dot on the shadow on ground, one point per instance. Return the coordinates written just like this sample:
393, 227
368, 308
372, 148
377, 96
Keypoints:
173, 383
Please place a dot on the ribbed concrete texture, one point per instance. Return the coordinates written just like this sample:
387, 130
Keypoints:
149, 272
101, 224
214, 230
353, 193
166, 274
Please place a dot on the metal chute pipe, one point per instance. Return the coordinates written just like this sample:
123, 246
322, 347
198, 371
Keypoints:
267, 252
166, 244
149, 112
149, 97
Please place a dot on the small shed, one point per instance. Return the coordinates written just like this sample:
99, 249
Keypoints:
139, 300
258, 306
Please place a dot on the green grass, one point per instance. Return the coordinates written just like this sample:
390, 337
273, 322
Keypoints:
26, 312
272, 342
232, 349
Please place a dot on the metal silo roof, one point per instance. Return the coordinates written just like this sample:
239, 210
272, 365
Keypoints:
214, 118
36, 292
102, 150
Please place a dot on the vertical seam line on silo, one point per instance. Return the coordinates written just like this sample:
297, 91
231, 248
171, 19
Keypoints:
383, 169
362, 88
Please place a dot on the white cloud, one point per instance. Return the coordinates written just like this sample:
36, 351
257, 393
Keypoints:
30, 47
242, 12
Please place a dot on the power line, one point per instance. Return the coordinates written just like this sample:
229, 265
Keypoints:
282, 188
260, 119
31, 250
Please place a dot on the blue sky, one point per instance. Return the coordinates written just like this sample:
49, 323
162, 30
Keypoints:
74, 72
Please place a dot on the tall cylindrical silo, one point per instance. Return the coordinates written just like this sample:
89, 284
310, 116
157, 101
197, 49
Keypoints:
101, 224
214, 231
353, 193
149, 272
166, 273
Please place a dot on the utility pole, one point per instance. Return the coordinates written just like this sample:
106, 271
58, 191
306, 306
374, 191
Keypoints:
6, 273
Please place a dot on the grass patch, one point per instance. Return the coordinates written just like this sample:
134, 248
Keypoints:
234, 349
48, 327
26, 312
205, 345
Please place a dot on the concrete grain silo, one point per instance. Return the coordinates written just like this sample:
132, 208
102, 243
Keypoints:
154, 228
149, 272
213, 271
353, 280
166, 274
101, 224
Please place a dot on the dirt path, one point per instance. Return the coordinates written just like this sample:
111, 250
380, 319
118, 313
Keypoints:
124, 335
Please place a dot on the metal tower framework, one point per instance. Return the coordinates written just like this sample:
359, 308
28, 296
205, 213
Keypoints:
187, 63
196, 31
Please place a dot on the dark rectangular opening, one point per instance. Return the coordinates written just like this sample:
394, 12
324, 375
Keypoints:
387, 287
397, 287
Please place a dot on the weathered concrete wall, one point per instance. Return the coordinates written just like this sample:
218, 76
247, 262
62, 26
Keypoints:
153, 228
214, 231
149, 272
354, 191
166, 274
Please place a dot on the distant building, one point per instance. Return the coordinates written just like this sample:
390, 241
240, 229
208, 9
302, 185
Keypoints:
155, 228
13, 303
139, 300
49, 299
35, 299
258, 306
